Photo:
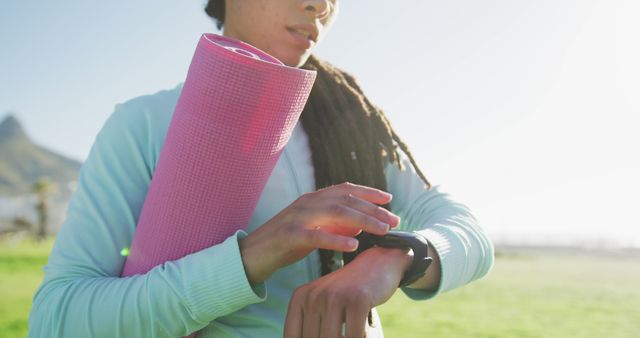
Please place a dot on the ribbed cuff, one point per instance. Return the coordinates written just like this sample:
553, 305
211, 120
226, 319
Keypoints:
449, 261
217, 284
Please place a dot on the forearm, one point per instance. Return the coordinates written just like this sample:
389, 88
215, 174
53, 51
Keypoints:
464, 250
171, 300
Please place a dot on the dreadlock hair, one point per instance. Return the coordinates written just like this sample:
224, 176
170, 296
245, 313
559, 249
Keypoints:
216, 9
350, 138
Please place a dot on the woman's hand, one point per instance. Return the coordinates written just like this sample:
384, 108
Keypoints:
327, 219
319, 308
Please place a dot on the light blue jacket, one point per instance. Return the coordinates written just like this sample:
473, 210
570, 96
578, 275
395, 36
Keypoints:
82, 294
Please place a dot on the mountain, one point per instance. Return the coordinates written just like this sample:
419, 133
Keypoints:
22, 162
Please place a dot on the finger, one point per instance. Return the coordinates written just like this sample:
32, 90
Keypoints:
367, 193
368, 208
329, 241
293, 323
311, 325
356, 319
333, 215
332, 322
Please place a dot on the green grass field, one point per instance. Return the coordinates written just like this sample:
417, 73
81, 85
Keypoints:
541, 295
526, 295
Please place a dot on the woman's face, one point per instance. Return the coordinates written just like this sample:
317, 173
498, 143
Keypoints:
267, 25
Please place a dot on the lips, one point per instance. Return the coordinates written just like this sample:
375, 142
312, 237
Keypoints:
299, 39
310, 30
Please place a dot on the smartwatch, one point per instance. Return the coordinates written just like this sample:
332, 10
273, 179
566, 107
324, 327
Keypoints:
401, 239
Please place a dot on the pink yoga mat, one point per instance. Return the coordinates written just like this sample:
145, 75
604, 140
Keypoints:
235, 114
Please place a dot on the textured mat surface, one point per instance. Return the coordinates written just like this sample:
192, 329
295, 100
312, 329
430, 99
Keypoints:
236, 112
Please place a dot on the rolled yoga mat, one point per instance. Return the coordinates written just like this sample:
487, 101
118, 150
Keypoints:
235, 114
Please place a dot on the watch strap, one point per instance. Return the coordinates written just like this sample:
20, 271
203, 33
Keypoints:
398, 239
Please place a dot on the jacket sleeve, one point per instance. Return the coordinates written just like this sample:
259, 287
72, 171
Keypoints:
465, 251
82, 294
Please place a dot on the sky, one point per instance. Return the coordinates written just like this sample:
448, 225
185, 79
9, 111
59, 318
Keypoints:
526, 111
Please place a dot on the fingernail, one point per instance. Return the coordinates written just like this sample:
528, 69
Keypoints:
395, 218
353, 243
383, 226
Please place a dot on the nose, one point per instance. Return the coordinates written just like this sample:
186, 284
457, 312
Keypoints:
320, 8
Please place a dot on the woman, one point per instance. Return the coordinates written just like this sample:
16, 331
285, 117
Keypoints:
269, 280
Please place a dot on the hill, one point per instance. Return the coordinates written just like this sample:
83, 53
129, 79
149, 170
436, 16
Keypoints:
22, 162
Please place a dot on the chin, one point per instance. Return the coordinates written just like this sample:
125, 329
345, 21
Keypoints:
298, 60
292, 57
292, 61
302, 60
